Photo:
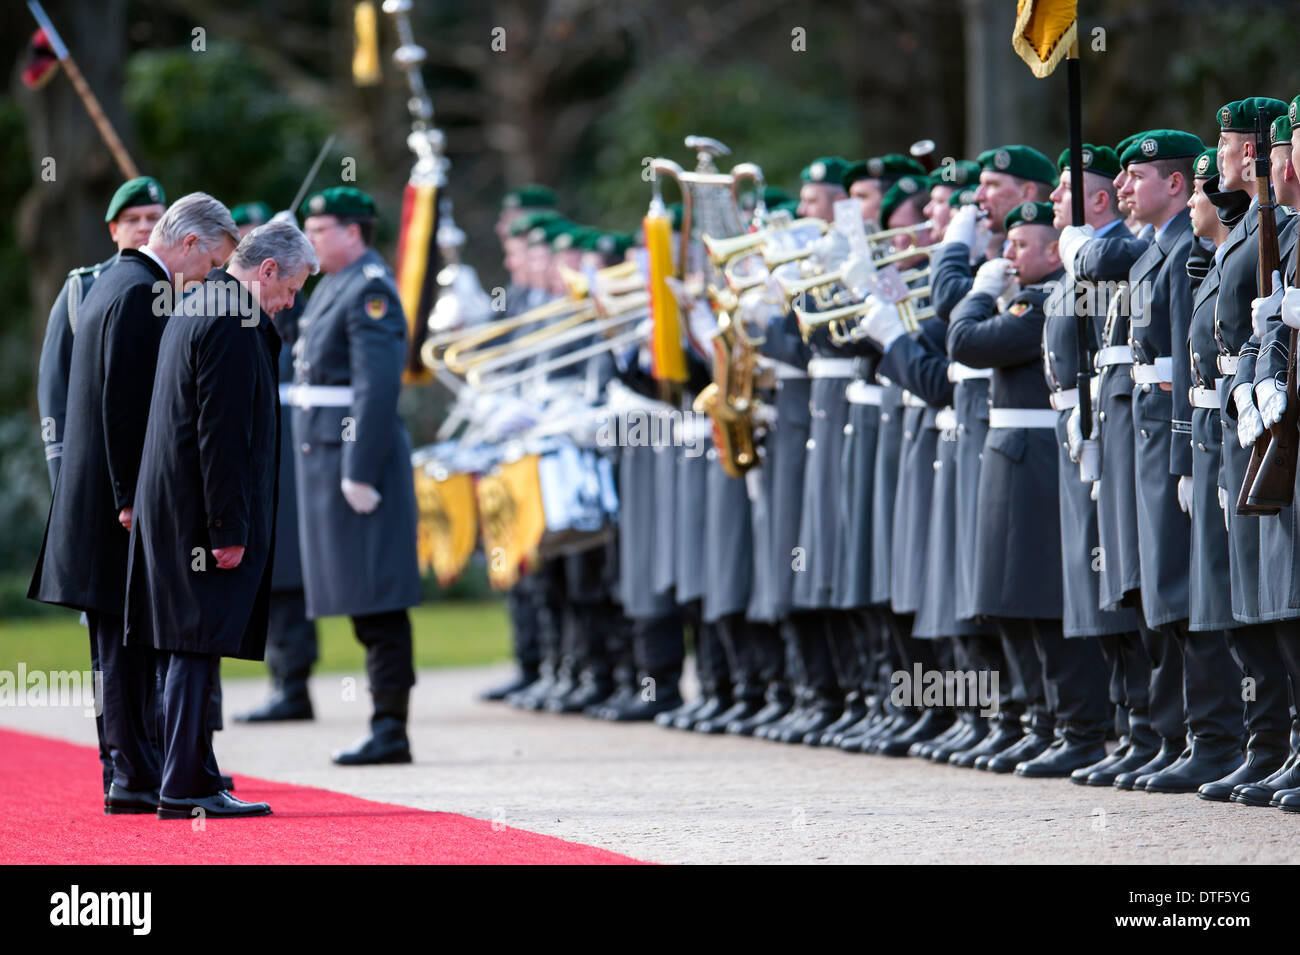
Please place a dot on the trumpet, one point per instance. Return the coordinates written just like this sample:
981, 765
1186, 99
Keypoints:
908, 253
888, 235
723, 251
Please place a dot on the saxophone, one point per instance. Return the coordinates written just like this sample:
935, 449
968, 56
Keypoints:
729, 399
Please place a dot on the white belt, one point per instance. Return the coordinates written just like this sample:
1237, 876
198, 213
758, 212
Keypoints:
1064, 400
1114, 355
785, 370
321, 396
831, 367
1228, 364
946, 419
1206, 397
861, 393
1161, 370
1022, 418
959, 372
912, 401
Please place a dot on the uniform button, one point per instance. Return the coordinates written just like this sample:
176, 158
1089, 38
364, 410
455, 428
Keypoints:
711, 454
885, 417
848, 429
1196, 356
937, 464
762, 453
1101, 415
1143, 432
659, 449
961, 429
306, 448
1052, 355
1146, 389
810, 444
1200, 446
907, 435
1066, 445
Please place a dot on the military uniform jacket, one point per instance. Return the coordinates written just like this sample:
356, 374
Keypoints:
207, 480
56, 361
82, 563
1211, 573
889, 446
857, 475
920, 366
1017, 531
1080, 562
353, 334
1279, 534
1161, 297
1108, 260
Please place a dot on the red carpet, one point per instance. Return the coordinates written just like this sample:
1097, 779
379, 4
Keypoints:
51, 811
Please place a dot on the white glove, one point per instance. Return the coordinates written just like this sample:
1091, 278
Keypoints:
1223, 506
882, 324
1271, 401
983, 235
1073, 239
961, 227
1291, 307
1096, 490
993, 277
362, 498
1185, 494
1249, 424
1074, 434
1262, 309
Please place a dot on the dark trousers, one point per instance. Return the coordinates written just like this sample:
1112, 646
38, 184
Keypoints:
841, 638
105, 757
1211, 687
1168, 709
984, 651
189, 768
1026, 671
1268, 707
1130, 686
290, 637
523, 602
805, 633
129, 704
387, 639
659, 644
1075, 680
753, 654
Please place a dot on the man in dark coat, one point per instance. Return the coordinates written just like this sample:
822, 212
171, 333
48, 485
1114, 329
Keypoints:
208, 484
1018, 577
356, 489
132, 213
83, 558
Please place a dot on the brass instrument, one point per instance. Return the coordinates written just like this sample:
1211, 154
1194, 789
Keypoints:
729, 399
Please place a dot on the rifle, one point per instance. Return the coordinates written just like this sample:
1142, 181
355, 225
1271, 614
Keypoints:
1270, 477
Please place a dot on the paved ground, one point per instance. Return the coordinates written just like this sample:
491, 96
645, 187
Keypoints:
679, 797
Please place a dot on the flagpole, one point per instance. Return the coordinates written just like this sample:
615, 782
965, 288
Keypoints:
1084, 380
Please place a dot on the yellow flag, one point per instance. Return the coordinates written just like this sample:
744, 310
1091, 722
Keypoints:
667, 361
512, 519
1045, 31
448, 524
365, 50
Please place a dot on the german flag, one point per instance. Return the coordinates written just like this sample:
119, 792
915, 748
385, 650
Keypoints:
417, 271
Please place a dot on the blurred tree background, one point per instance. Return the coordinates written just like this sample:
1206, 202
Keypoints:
234, 97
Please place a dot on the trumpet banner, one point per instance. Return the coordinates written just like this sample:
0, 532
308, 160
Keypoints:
667, 360
417, 271
1044, 33
448, 525
511, 519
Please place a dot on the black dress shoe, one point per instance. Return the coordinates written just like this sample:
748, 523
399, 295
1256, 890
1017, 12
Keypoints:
1165, 756
119, 801
853, 711
972, 735
227, 783
1260, 764
1203, 764
741, 709
588, 692
283, 706
667, 717
387, 743
774, 710
1288, 800
221, 806
1062, 758
1034, 744
1003, 735
931, 724
1262, 793
526, 677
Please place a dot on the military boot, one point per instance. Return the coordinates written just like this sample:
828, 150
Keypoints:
1166, 755
932, 722
289, 701
1076, 745
657, 692
777, 703
747, 699
526, 676
387, 742
1264, 757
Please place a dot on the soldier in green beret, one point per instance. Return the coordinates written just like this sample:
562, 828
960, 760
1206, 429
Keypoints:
1009, 176
870, 179
904, 205
249, 215
822, 185
528, 198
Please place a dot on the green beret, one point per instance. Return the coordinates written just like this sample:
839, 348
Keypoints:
1023, 162
1029, 213
906, 187
1125, 143
570, 238
340, 201
614, 243
675, 211
530, 196
1239, 115
251, 213
522, 225
1099, 159
888, 168
1207, 165
827, 169
1282, 130
964, 197
546, 230
141, 191
1161, 144
960, 172
1293, 112
772, 196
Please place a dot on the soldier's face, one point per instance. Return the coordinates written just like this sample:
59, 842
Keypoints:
869, 191
998, 194
1032, 251
937, 209
817, 200
1204, 216
335, 243
1236, 151
1279, 163
905, 215
1148, 194
1061, 199
131, 228
516, 259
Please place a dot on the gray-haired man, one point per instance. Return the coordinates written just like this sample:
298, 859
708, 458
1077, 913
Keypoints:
82, 563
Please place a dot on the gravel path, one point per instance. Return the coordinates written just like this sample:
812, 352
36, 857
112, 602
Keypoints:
675, 797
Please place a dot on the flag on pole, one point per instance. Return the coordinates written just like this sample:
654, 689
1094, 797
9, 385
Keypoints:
417, 269
667, 361
1045, 30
